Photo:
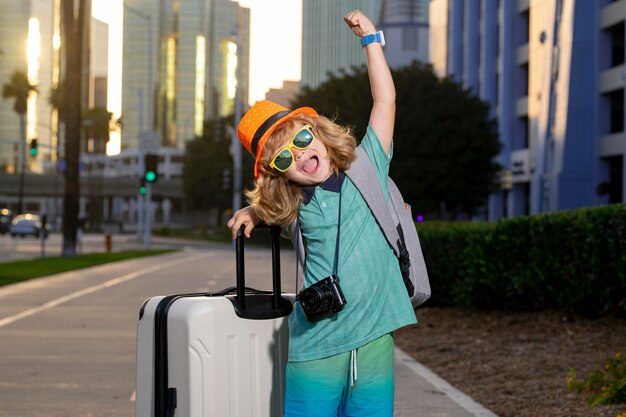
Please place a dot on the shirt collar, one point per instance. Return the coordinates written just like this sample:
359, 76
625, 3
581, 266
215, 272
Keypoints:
332, 183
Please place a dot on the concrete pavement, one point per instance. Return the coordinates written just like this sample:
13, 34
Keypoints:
419, 392
422, 393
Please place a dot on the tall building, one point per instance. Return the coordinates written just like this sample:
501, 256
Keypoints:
553, 72
284, 95
329, 47
174, 65
29, 41
405, 25
99, 68
229, 57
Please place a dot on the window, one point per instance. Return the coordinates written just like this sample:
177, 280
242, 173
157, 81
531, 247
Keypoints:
521, 133
524, 28
617, 44
616, 110
615, 179
409, 38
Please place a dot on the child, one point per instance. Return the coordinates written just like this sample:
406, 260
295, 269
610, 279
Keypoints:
341, 345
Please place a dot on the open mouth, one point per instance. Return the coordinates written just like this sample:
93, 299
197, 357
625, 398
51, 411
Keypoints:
311, 165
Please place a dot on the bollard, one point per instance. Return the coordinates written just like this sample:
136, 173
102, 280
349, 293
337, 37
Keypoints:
108, 242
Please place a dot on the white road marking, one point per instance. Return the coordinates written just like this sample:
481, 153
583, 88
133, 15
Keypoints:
61, 300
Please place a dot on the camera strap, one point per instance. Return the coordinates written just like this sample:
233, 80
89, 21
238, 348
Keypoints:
336, 265
298, 234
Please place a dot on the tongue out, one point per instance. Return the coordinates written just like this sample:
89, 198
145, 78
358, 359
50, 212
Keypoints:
311, 165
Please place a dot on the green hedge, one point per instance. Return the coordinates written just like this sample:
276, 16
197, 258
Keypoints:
574, 261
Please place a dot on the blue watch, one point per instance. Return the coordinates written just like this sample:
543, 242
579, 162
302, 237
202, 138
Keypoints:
374, 37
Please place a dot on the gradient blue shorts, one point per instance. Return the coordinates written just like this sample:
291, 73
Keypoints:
325, 388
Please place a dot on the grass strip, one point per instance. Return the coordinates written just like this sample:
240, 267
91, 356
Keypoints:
12, 272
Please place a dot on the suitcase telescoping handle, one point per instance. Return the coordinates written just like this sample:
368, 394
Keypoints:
254, 307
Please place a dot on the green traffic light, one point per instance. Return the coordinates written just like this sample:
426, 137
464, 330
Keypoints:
150, 176
143, 190
33, 148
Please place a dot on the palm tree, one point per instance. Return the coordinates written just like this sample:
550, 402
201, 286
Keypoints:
19, 88
98, 123
72, 25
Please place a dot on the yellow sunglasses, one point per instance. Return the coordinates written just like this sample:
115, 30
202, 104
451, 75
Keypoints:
301, 140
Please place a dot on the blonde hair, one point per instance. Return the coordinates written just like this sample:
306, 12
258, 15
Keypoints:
276, 198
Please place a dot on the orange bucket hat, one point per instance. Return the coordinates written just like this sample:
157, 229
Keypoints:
258, 124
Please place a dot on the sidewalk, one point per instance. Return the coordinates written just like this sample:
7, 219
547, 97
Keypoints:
421, 393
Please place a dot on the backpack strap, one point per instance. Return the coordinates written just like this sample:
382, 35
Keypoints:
363, 174
295, 234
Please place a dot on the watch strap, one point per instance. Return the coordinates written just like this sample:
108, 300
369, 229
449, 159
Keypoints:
373, 37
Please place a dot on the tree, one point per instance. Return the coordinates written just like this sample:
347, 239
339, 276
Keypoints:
72, 24
97, 124
19, 88
207, 169
445, 141
56, 99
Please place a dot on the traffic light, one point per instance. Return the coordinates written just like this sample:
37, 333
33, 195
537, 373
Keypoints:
142, 186
151, 162
33, 148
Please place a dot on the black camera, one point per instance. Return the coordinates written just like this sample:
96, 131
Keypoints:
322, 299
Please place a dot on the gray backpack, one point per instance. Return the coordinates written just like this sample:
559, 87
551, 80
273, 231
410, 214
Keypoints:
396, 222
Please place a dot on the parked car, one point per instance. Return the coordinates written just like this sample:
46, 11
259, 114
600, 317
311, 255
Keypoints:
27, 224
5, 220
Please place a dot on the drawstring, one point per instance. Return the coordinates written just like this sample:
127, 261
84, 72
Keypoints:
353, 370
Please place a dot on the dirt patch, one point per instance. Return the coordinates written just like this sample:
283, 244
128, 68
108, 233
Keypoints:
515, 364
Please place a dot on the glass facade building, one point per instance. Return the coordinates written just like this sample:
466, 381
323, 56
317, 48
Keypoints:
329, 47
175, 58
327, 44
553, 72
27, 42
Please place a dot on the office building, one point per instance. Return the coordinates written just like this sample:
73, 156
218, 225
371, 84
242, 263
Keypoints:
99, 68
328, 46
177, 55
553, 72
229, 57
29, 42
405, 25
284, 95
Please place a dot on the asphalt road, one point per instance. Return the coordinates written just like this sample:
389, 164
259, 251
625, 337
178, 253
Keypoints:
67, 343
16, 248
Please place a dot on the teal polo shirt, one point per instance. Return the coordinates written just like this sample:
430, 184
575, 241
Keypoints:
369, 273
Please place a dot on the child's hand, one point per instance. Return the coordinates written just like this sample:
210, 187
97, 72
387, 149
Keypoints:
246, 216
359, 23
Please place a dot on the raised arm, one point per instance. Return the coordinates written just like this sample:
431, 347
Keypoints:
383, 113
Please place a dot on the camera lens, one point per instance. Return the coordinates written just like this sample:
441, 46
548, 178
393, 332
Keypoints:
315, 299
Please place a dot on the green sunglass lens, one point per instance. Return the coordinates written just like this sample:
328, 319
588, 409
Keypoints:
303, 139
283, 160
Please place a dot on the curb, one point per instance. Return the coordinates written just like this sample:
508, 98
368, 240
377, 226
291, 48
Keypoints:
463, 400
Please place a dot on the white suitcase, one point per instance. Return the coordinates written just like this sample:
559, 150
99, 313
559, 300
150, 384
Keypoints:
219, 354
